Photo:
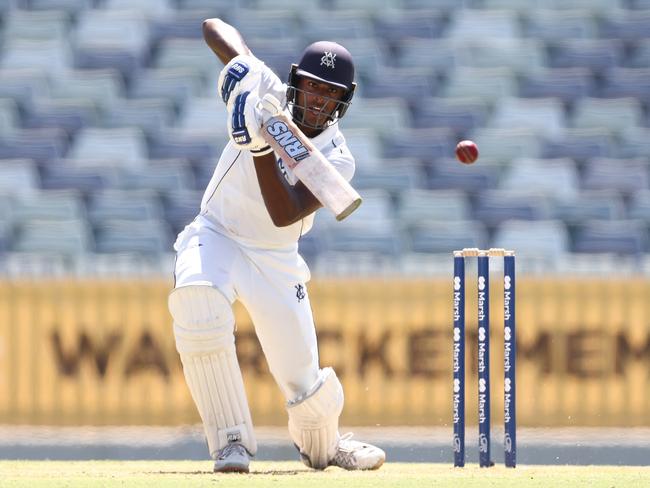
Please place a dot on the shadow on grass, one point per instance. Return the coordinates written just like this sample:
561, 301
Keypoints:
273, 472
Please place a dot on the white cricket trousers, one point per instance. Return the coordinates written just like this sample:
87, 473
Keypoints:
271, 286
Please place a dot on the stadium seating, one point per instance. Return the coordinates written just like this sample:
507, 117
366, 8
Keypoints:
111, 127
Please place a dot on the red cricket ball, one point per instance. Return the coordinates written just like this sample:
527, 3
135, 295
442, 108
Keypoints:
466, 152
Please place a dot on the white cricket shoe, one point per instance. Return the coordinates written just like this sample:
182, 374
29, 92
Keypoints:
352, 455
232, 458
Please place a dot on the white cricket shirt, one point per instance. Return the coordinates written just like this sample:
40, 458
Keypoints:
232, 203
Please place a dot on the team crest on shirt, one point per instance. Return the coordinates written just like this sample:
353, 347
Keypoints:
300, 292
328, 59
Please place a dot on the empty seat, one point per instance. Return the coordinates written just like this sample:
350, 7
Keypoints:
615, 114
148, 9
49, 25
594, 6
412, 84
589, 205
519, 55
181, 206
103, 87
9, 116
160, 175
207, 114
382, 115
626, 82
639, 205
274, 23
503, 145
394, 175
365, 5
625, 24
423, 144
277, 54
580, 144
127, 63
611, 236
292, 5
488, 84
343, 24
567, 84
125, 146
415, 205
49, 205
537, 238
435, 54
634, 142
396, 24
192, 54
64, 175
551, 24
446, 5
193, 146
69, 6
123, 30
639, 57
470, 23
544, 116
132, 236
124, 205
447, 173
556, 177
63, 236
151, 115
357, 237
458, 114
443, 236
182, 24
23, 84
375, 211
18, 176
34, 53
597, 55
496, 206
624, 175
41, 145
176, 84
70, 114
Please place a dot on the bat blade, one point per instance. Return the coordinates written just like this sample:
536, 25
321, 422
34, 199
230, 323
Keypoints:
310, 166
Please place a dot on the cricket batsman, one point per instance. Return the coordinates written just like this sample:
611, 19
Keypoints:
243, 246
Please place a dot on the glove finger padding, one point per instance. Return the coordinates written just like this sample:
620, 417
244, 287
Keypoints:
245, 124
242, 73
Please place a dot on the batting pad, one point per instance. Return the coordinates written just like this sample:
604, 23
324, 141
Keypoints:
314, 420
203, 328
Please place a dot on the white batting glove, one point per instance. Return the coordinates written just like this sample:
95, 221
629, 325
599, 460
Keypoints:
245, 124
242, 73
269, 106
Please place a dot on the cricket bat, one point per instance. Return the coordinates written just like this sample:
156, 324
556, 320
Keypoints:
307, 162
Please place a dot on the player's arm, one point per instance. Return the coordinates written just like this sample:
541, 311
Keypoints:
286, 204
224, 40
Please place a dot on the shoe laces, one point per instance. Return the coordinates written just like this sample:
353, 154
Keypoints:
344, 456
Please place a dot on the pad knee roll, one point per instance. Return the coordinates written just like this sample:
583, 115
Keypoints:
314, 420
203, 329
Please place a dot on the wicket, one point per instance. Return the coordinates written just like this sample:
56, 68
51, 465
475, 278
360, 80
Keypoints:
509, 386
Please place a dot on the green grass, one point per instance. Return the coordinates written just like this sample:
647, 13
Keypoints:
181, 474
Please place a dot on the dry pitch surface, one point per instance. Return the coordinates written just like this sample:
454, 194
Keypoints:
292, 474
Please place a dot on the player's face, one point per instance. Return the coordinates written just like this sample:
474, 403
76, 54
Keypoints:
318, 100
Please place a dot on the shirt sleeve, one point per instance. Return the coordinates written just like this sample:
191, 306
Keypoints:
341, 157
